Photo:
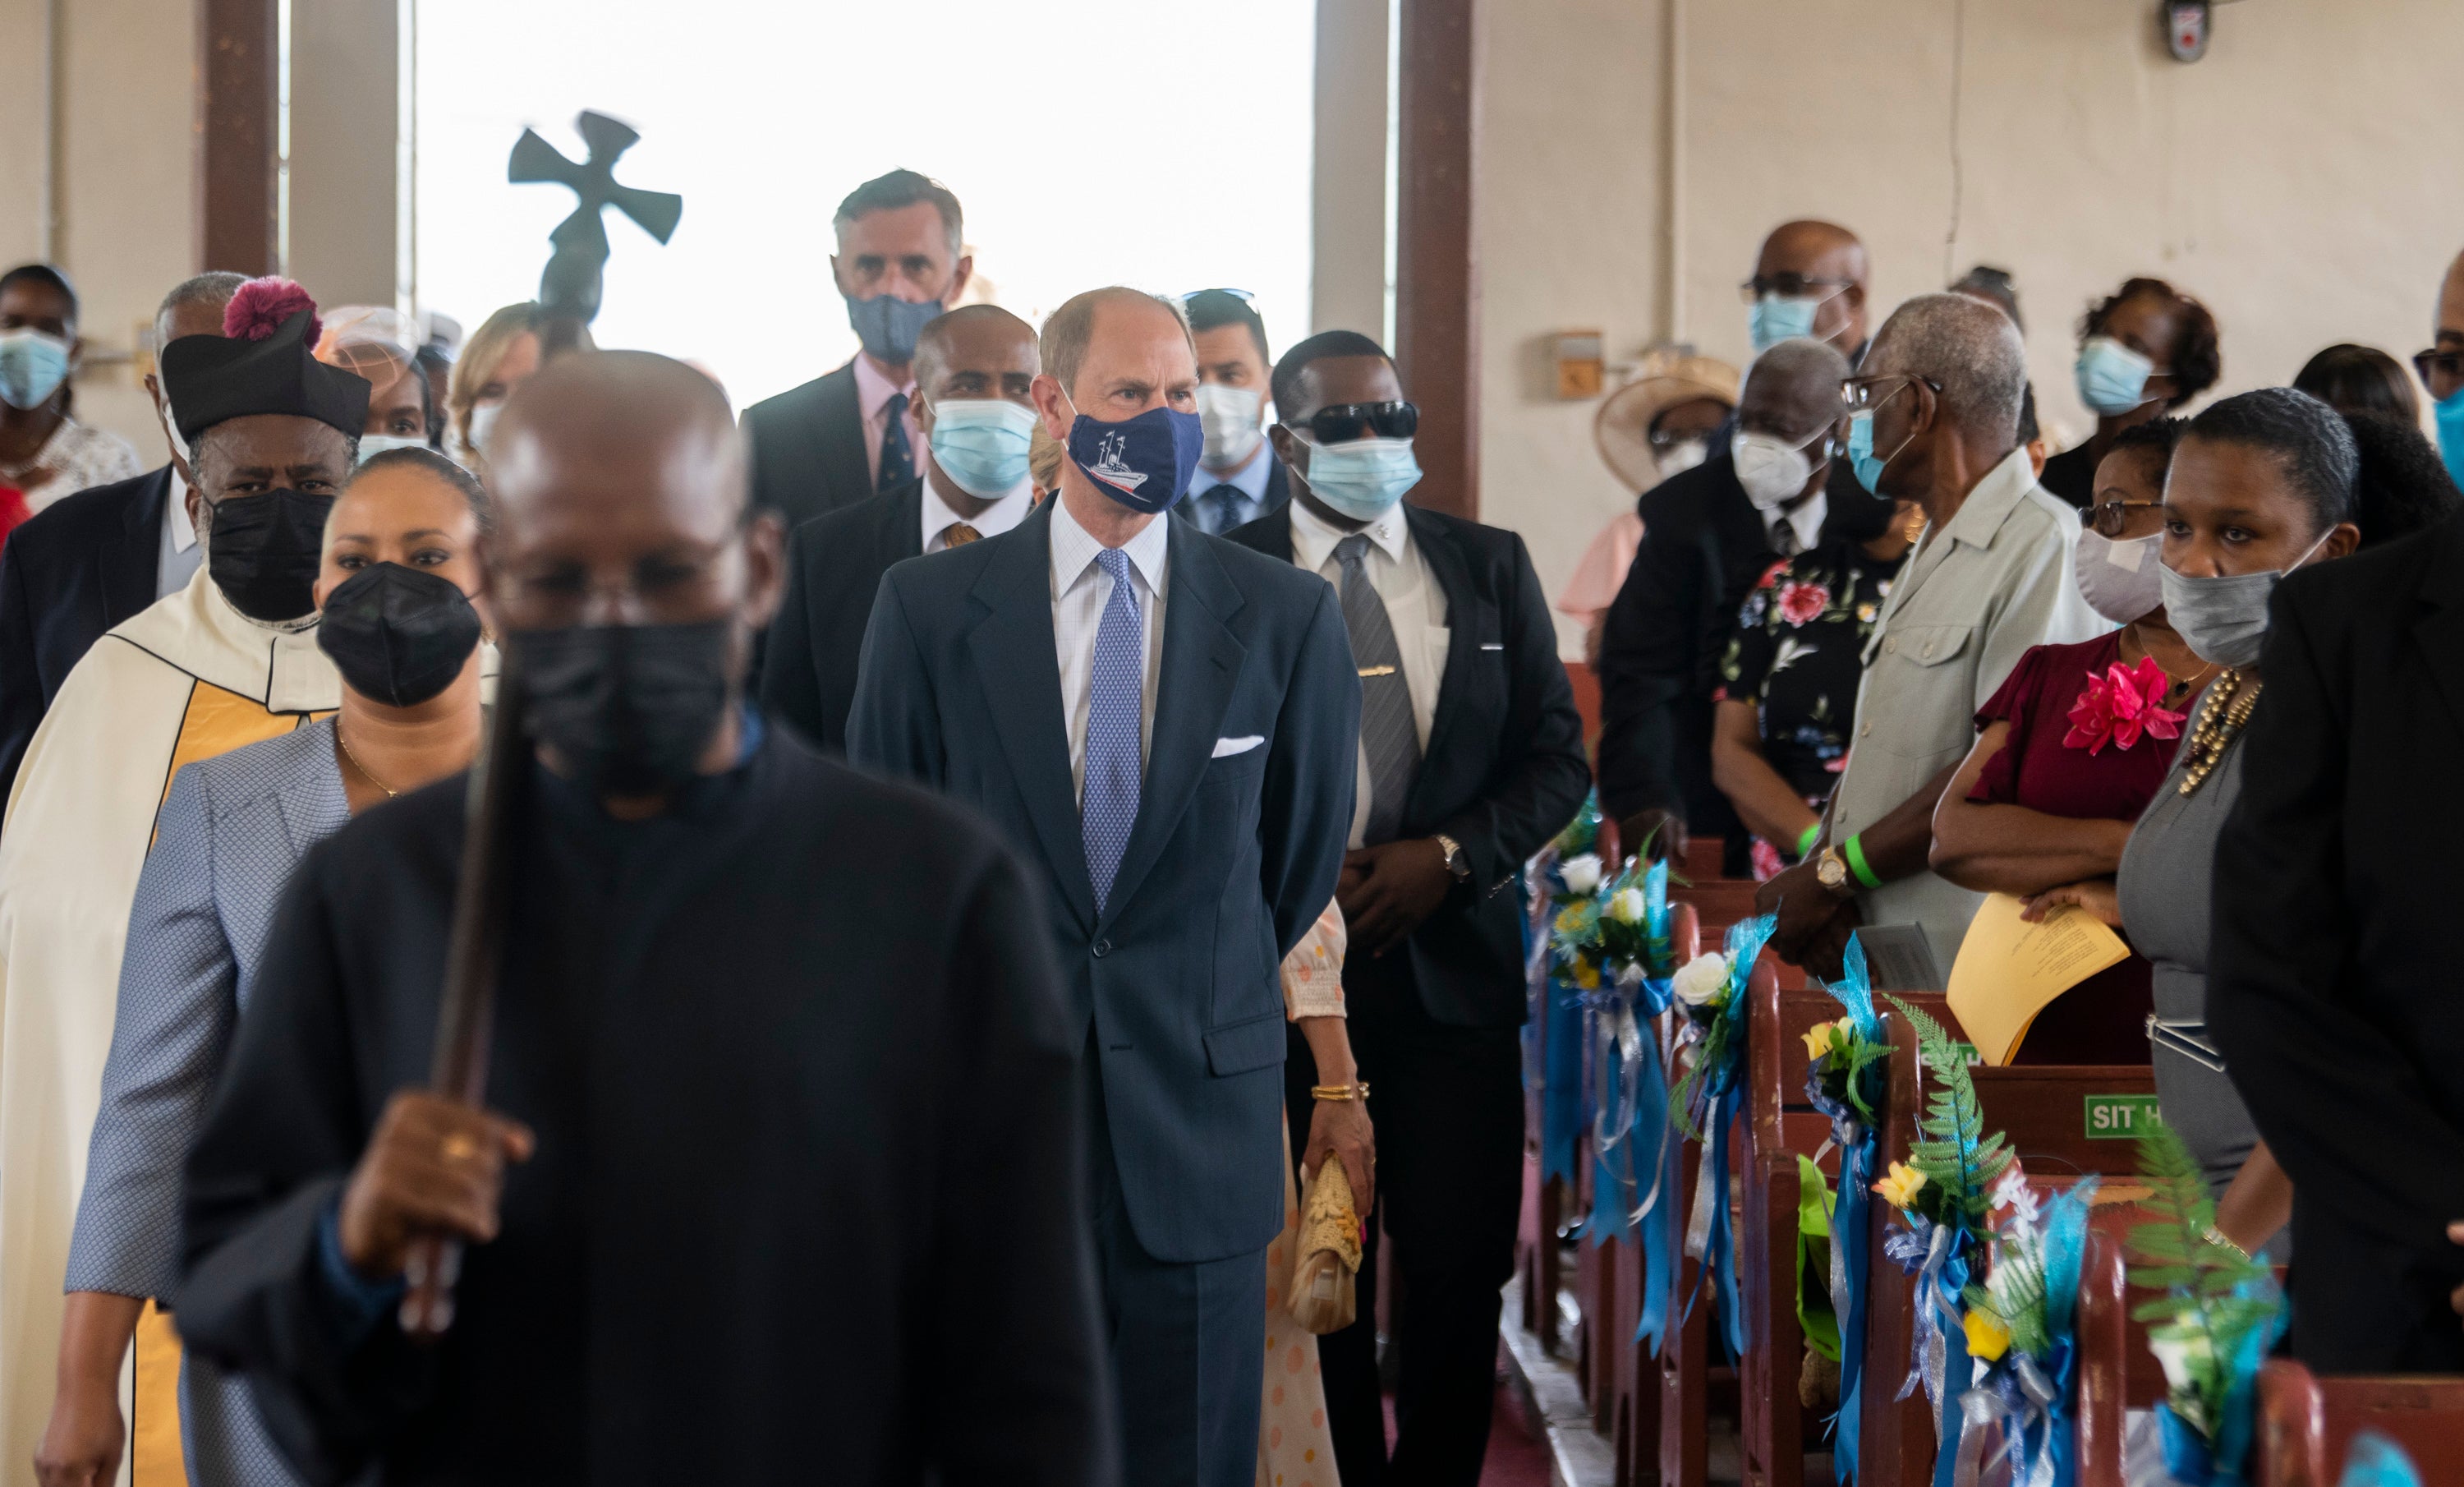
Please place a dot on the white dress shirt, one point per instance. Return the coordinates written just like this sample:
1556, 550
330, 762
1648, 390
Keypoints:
1006, 512
178, 557
872, 394
1080, 591
1806, 520
1416, 607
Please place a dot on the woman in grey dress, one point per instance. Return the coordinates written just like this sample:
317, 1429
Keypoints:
2260, 483
397, 568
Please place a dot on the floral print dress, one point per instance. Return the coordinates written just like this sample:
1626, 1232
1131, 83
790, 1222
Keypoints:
1797, 656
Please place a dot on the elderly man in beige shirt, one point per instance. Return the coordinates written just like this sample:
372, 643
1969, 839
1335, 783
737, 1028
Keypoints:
1938, 399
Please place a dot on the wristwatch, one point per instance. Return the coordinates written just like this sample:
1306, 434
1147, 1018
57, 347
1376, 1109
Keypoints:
1831, 870
1456, 862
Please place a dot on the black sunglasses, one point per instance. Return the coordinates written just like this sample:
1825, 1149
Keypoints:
1348, 421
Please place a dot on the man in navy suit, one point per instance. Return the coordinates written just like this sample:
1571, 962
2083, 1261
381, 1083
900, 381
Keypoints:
1238, 477
1167, 722
1470, 759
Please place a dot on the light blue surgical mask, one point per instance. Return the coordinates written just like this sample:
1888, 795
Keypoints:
1861, 458
981, 444
2112, 377
1772, 320
32, 365
2450, 414
1363, 479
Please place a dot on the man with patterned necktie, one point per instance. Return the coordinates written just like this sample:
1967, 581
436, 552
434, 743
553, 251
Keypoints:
1167, 722
1470, 758
973, 367
1238, 477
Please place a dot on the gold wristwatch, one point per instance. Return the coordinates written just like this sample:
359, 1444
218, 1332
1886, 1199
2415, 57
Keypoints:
1831, 870
1456, 862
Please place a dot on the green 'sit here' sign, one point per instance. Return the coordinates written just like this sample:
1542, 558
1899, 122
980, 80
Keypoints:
2119, 1116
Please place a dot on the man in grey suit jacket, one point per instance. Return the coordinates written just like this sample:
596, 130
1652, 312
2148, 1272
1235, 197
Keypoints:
1167, 722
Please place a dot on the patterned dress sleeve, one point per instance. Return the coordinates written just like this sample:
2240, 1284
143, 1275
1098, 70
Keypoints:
1751, 646
1314, 972
178, 1003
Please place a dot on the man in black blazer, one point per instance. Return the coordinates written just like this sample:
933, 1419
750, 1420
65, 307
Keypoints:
1238, 477
973, 369
2331, 981
1483, 763
88, 561
1704, 543
851, 434
1166, 722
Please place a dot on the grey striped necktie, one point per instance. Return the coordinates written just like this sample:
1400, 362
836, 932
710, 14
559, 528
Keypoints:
1388, 736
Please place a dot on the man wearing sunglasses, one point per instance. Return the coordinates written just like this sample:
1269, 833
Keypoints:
1470, 757
1932, 417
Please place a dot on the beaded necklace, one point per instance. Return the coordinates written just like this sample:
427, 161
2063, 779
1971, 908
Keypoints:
2227, 710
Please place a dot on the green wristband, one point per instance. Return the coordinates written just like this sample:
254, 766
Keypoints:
1805, 843
1854, 851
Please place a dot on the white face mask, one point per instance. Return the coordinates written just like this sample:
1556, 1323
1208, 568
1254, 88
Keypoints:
1229, 419
1680, 457
371, 445
483, 418
2122, 580
1773, 471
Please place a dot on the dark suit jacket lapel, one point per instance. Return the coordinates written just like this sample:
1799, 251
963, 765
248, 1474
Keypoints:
902, 537
840, 438
1021, 675
2441, 627
1201, 665
130, 564
1452, 573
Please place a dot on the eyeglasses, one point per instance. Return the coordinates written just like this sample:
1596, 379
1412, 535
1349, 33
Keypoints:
1346, 421
1789, 286
2113, 518
2436, 368
1865, 394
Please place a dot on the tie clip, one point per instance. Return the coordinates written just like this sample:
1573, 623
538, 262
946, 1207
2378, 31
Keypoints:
1377, 671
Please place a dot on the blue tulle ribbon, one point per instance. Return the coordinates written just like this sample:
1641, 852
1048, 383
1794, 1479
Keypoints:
2376, 1461
1718, 1094
2193, 1458
1858, 1144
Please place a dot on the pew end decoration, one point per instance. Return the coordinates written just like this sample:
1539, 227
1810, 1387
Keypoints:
2021, 1327
1847, 1065
1711, 991
2220, 1314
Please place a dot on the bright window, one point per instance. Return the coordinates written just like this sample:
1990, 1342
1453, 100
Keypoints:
1092, 141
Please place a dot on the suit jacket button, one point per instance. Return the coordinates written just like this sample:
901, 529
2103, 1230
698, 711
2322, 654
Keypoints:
1103, 948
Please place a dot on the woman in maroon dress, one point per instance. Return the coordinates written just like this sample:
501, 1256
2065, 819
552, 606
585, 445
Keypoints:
2074, 745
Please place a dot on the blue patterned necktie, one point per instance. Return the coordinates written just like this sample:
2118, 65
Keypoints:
1110, 807
897, 455
1221, 504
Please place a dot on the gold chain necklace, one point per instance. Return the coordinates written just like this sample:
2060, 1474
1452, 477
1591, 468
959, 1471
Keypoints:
365, 772
2230, 700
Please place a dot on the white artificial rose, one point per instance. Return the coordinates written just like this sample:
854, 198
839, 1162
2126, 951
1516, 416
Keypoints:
2182, 1350
1626, 907
1703, 981
1582, 873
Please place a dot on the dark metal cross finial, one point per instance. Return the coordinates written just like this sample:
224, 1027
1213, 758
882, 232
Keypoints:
569, 287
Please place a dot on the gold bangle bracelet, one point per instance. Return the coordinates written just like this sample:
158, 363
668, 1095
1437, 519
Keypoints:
1340, 1092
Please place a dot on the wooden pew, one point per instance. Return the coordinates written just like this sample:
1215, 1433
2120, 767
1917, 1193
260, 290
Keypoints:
2105, 1336
2306, 1424
2045, 1113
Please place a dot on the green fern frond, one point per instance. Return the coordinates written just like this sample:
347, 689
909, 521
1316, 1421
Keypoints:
1951, 1148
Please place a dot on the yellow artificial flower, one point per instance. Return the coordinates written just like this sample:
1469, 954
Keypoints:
1818, 1041
1987, 1338
1569, 919
1587, 975
1899, 1187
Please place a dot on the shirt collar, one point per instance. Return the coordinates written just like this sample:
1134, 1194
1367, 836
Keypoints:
175, 515
1991, 500
1250, 479
1073, 551
872, 390
1006, 512
1314, 537
1806, 518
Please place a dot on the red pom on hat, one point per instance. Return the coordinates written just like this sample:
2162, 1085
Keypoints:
260, 306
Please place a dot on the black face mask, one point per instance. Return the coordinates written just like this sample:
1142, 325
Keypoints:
628, 708
263, 552
398, 636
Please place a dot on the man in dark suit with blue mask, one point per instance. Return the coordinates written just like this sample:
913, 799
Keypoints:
1167, 722
851, 434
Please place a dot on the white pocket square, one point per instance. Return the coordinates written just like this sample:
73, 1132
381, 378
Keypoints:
1225, 748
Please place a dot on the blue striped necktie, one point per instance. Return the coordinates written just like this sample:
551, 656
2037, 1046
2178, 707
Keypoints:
1109, 806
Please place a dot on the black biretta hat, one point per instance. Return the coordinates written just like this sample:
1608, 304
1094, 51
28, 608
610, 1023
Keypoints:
212, 379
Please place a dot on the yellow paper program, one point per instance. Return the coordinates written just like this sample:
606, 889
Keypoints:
2008, 970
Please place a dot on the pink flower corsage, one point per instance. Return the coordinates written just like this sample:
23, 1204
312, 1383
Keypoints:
1801, 602
2120, 706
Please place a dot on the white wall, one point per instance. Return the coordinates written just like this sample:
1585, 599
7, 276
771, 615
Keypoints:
2300, 179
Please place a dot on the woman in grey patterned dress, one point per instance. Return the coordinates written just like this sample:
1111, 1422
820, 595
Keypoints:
230, 833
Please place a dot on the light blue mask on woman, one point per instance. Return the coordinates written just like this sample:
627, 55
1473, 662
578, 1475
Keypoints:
32, 365
2112, 377
982, 443
1363, 479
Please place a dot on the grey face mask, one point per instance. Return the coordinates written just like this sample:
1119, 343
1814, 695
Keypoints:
2224, 619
